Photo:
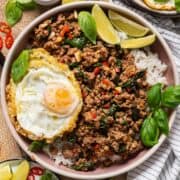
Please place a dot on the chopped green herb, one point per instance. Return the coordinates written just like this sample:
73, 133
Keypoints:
72, 138
113, 109
132, 81
135, 114
84, 166
118, 63
103, 126
124, 122
116, 80
36, 146
49, 30
122, 148
97, 64
78, 42
73, 65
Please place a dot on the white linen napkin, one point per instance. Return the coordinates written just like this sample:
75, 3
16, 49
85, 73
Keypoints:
165, 163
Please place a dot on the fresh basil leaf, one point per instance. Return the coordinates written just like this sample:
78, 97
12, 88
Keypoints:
26, 4
149, 132
177, 5
154, 96
88, 25
48, 175
12, 12
36, 146
20, 66
162, 120
171, 96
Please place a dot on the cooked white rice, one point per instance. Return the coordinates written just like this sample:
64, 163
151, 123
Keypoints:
57, 158
145, 59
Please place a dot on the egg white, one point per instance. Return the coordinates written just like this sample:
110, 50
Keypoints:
33, 119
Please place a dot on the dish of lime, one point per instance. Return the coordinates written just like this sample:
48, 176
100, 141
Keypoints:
21, 169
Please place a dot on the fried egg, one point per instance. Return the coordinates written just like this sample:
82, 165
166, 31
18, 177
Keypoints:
167, 6
47, 100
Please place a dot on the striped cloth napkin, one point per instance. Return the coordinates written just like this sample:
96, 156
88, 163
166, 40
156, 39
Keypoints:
165, 163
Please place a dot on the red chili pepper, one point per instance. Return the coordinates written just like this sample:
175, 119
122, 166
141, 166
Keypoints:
106, 82
5, 28
1, 43
106, 106
36, 171
93, 115
30, 177
105, 63
70, 36
9, 40
96, 71
64, 30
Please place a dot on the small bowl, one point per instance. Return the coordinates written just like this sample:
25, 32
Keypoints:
101, 173
13, 163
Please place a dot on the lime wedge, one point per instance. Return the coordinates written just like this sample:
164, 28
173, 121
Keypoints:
69, 1
22, 171
138, 42
5, 173
104, 27
126, 25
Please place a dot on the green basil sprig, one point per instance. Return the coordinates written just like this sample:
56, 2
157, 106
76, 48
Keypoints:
161, 118
14, 10
158, 100
20, 66
26, 4
88, 25
171, 96
154, 96
149, 132
13, 13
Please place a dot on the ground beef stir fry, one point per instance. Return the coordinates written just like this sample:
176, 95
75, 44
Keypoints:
113, 89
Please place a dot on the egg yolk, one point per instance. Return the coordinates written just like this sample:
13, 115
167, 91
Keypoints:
57, 98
